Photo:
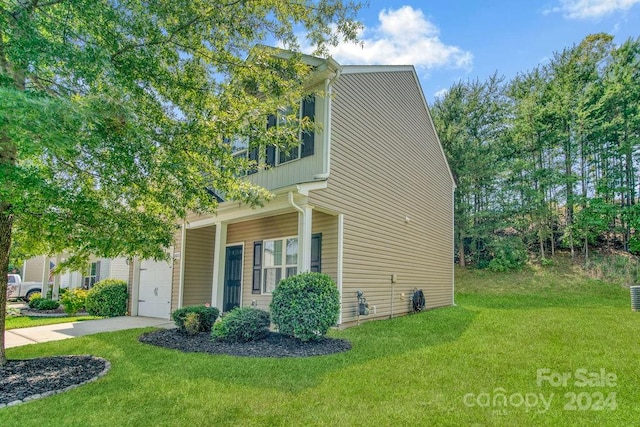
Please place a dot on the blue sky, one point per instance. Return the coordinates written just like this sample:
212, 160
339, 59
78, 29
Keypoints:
456, 40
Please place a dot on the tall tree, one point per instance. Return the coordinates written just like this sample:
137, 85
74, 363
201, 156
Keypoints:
113, 114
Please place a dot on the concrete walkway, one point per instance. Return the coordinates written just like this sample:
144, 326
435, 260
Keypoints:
61, 331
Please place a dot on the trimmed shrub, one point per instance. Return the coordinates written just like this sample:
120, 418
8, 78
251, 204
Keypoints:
242, 324
46, 304
192, 323
305, 306
107, 298
35, 297
73, 300
206, 316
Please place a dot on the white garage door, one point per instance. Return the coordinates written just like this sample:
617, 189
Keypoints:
155, 289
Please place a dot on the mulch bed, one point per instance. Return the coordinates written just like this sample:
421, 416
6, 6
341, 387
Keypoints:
274, 345
25, 380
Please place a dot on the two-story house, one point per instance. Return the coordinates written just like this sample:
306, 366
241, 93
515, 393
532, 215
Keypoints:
366, 199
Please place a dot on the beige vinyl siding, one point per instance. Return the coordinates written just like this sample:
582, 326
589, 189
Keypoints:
198, 266
387, 166
285, 225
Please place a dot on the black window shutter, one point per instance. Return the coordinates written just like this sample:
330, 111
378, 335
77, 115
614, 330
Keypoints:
316, 253
271, 150
308, 110
254, 155
257, 268
271, 156
97, 271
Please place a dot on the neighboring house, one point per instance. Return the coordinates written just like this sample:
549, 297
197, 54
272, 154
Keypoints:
34, 269
367, 199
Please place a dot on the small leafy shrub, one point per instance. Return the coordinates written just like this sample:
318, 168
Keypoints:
35, 297
46, 304
305, 306
73, 300
192, 323
509, 253
206, 316
242, 324
107, 298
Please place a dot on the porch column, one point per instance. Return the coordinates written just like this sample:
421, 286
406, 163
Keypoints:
219, 255
135, 286
304, 238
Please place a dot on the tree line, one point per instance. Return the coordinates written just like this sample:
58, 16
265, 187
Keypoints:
549, 159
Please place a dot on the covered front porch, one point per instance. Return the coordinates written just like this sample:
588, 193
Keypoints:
236, 257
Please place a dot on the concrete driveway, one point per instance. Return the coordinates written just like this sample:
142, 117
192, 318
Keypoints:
61, 331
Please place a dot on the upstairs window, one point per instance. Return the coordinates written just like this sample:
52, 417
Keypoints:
307, 109
271, 155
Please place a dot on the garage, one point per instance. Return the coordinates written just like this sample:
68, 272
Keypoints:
154, 297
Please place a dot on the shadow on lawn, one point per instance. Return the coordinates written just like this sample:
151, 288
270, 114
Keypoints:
371, 341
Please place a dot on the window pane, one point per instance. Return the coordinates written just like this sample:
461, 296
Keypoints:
239, 143
292, 271
292, 251
272, 253
271, 278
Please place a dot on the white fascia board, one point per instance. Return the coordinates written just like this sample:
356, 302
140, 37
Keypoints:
364, 69
230, 212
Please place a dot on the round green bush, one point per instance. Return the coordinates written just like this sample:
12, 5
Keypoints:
33, 300
305, 306
46, 304
242, 324
107, 298
206, 317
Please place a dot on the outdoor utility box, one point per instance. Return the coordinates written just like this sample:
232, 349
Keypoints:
635, 298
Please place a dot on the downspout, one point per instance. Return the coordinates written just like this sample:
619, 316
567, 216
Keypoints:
292, 203
326, 145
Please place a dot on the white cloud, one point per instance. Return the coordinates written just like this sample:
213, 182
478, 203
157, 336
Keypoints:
403, 37
591, 9
441, 93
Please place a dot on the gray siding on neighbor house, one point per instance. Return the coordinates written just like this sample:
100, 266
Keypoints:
119, 269
387, 166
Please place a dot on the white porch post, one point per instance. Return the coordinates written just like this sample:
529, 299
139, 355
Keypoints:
304, 238
135, 287
183, 248
219, 255
45, 275
55, 294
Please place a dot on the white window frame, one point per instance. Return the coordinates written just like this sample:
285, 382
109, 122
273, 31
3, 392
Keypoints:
280, 121
283, 267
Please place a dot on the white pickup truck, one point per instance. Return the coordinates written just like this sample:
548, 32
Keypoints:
19, 289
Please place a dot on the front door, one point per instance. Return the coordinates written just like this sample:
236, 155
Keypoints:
232, 278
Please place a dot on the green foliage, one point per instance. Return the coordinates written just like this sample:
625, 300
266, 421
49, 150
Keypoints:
206, 317
192, 324
73, 300
107, 298
507, 253
242, 324
305, 306
35, 297
46, 304
115, 115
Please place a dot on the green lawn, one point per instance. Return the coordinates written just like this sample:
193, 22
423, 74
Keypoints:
29, 321
443, 367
